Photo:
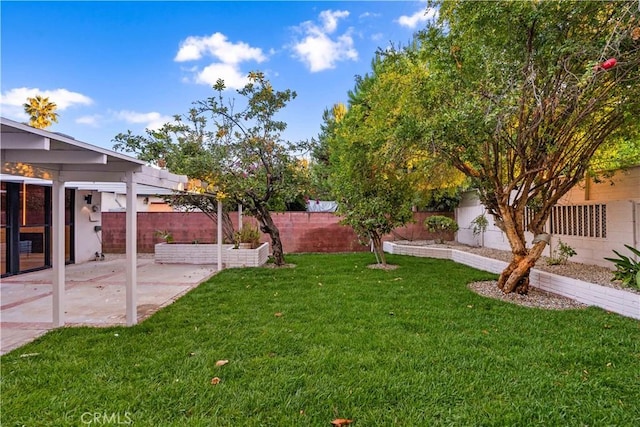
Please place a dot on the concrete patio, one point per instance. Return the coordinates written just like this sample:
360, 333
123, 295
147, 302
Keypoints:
95, 295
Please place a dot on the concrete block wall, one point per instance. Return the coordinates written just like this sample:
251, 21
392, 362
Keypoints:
623, 228
592, 250
187, 253
246, 257
301, 232
618, 301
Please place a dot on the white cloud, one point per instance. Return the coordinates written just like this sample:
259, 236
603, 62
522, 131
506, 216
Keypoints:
420, 17
217, 45
152, 120
12, 100
93, 120
318, 50
369, 15
228, 57
233, 77
330, 18
62, 97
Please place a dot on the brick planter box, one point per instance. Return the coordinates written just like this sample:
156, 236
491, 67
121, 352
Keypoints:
615, 300
207, 253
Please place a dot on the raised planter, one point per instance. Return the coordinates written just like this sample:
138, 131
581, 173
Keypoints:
207, 253
246, 257
615, 300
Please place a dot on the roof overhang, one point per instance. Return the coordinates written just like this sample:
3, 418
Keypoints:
35, 153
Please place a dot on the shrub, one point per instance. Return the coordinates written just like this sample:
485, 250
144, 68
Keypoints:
561, 254
627, 269
479, 224
164, 235
440, 225
248, 234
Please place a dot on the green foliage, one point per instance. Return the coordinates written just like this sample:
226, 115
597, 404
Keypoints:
248, 234
444, 199
440, 225
370, 175
182, 146
627, 269
516, 100
385, 348
320, 167
239, 156
479, 224
257, 167
165, 235
561, 254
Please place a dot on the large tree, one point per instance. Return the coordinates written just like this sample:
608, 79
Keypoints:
375, 174
257, 168
521, 95
183, 146
319, 167
41, 111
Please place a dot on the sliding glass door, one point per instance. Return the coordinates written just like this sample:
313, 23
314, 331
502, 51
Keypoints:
25, 234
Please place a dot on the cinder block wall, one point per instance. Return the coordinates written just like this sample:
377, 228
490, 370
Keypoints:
300, 231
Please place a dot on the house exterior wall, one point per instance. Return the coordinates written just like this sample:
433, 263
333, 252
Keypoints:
87, 239
621, 196
624, 185
115, 202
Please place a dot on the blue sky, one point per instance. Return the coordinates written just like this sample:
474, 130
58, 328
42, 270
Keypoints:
115, 66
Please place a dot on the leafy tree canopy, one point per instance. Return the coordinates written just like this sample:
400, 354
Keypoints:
520, 95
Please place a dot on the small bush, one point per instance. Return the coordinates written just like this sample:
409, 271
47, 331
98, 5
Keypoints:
164, 235
479, 224
248, 234
561, 254
440, 225
627, 270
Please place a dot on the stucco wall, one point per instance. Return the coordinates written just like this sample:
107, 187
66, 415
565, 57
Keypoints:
87, 239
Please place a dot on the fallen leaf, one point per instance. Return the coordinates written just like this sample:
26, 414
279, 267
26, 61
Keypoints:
278, 314
215, 380
221, 362
341, 422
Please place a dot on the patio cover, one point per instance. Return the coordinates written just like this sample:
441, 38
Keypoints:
35, 153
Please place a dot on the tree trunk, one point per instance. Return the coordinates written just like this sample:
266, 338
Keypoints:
376, 239
269, 227
227, 228
227, 225
515, 278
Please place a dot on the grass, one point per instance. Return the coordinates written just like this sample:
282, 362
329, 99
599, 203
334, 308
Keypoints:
407, 347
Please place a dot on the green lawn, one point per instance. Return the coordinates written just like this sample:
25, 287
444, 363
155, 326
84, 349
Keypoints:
408, 347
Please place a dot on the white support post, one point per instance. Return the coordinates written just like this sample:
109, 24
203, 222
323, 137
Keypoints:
57, 219
131, 250
219, 235
239, 217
